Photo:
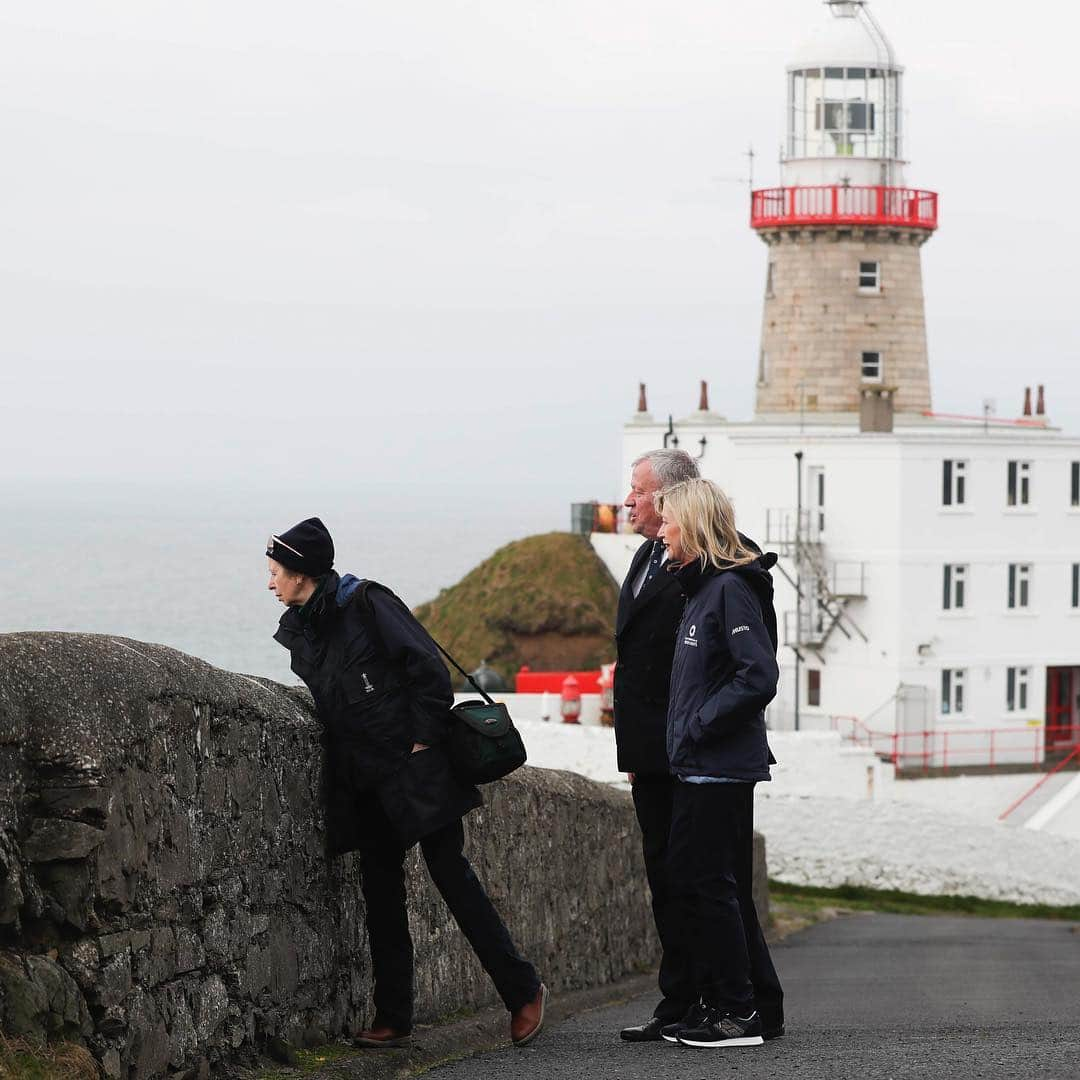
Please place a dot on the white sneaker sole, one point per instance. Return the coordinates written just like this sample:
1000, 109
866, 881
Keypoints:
670, 1038
750, 1040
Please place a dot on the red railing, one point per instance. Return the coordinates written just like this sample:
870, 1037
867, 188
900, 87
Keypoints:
956, 747
839, 205
1035, 787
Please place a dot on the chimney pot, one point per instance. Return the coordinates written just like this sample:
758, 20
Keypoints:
703, 400
1027, 400
1040, 403
642, 406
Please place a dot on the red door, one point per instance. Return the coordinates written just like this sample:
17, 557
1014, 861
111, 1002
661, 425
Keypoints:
1061, 727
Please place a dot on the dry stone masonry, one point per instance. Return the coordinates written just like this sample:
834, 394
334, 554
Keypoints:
164, 893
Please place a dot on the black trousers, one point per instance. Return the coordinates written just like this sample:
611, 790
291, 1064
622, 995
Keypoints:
382, 874
711, 860
653, 796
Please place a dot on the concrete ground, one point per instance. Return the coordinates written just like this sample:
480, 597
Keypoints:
868, 997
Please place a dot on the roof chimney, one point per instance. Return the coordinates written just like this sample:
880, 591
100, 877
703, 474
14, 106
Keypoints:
642, 406
1027, 400
703, 400
876, 408
1040, 404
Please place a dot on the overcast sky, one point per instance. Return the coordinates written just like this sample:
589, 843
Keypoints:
440, 242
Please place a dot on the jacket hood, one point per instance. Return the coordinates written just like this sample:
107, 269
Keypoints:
693, 577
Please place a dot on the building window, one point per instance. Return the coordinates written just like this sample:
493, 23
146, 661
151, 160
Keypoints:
1016, 688
769, 281
953, 489
955, 577
813, 686
762, 361
870, 276
871, 367
952, 691
1019, 483
1074, 485
1076, 584
1019, 585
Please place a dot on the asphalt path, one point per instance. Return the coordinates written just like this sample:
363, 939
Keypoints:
867, 997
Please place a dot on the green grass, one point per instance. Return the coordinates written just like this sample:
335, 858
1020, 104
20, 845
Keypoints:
546, 601
25, 1059
308, 1061
858, 898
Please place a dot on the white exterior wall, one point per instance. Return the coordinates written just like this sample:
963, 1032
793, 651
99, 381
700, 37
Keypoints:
883, 508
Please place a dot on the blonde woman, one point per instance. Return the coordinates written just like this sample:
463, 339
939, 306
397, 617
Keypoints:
723, 675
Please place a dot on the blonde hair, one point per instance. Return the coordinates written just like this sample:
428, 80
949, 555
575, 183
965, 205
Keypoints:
706, 522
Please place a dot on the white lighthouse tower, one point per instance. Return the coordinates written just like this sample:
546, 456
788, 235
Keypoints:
843, 304
928, 586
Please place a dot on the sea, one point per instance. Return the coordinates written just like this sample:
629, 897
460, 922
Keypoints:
185, 565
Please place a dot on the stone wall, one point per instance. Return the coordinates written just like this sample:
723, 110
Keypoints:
164, 893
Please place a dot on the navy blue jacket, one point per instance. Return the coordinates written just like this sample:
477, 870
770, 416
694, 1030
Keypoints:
724, 672
379, 686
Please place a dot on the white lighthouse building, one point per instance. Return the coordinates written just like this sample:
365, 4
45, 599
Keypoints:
928, 589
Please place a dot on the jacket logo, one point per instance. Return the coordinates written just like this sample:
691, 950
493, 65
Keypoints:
693, 630
368, 688
739, 630
690, 639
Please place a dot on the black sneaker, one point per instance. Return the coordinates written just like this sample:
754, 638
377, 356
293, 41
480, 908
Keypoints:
723, 1029
694, 1016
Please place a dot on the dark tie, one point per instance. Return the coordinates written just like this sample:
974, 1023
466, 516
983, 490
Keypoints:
655, 562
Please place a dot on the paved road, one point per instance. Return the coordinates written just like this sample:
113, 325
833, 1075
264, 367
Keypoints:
868, 997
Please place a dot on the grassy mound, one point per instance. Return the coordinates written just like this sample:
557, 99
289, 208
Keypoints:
545, 601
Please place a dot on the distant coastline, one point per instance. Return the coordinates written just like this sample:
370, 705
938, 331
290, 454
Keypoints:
183, 565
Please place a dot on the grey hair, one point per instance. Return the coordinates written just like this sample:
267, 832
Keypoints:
669, 466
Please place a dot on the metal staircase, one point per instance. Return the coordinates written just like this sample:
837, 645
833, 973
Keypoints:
824, 587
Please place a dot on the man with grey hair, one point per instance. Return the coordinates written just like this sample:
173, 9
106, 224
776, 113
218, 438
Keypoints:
650, 607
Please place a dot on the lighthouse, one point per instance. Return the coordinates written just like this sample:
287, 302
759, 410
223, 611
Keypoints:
928, 582
843, 316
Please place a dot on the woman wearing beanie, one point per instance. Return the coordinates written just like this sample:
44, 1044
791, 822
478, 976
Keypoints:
383, 695
723, 675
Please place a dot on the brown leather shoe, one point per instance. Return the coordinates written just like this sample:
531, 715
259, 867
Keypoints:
525, 1024
381, 1036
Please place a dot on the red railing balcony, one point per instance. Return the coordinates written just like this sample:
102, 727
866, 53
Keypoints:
839, 205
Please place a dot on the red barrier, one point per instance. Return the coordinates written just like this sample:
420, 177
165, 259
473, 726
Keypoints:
536, 682
956, 747
839, 205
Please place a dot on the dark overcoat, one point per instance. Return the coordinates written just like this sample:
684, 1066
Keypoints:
379, 686
644, 642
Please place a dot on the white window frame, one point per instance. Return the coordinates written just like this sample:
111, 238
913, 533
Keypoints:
1018, 590
810, 689
872, 286
1017, 689
954, 587
879, 373
1018, 477
954, 482
953, 697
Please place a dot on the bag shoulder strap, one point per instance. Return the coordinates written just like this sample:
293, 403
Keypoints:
367, 616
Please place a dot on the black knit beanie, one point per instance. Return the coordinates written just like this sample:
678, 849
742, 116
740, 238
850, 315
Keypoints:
305, 548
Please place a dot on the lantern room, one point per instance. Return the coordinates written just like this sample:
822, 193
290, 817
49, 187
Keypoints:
844, 114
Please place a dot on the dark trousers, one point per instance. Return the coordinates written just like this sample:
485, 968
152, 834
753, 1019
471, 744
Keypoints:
383, 881
652, 801
711, 860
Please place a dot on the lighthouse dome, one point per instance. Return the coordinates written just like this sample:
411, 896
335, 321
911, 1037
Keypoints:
841, 38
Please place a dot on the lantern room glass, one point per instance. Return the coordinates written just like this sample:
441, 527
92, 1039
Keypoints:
844, 112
